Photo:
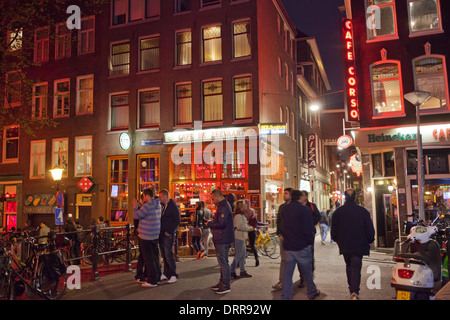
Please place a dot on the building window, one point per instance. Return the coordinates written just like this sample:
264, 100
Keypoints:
149, 53
148, 172
85, 94
119, 112
152, 8
293, 126
120, 59
37, 160
424, 16
184, 103
387, 92
286, 76
15, 39
40, 98
212, 43
149, 108
212, 101
184, 48
438, 162
124, 11
182, 5
430, 75
280, 68
13, 89
61, 105
208, 3
118, 188
63, 41
83, 156
243, 105
241, 39
381, 19
60, 154
120, 11
11, 144
41, 44
86, 36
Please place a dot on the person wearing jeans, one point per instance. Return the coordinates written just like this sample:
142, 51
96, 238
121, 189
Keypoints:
302, 258
353, 266
241, 229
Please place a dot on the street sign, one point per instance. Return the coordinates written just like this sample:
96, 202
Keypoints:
344, 142
60, 199
151, 142
59, 220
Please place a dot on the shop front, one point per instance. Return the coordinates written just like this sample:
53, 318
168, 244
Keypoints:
389, 157
10, 202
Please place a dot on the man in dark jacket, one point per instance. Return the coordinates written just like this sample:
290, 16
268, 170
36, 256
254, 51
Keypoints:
352, 229
170, 220
222, 228
298, 238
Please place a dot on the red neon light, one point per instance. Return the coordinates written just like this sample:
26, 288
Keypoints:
352, 112
352, 81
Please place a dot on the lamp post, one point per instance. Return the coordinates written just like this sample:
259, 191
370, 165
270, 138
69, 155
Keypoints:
57, 175
417, 98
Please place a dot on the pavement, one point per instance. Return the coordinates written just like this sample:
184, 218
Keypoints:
197, 276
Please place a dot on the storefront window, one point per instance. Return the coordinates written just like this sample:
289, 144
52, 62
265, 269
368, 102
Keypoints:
206, 170
148, 172
182, 171
438, 163
377, 165
233, 165
118, 189
389, 164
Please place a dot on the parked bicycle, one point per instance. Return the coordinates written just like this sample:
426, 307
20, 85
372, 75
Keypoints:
267, 244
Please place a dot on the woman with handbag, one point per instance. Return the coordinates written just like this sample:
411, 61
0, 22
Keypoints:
241, 229
197, 230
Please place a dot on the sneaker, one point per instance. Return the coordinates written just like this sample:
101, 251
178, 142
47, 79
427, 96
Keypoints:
149, 285
203, 254
172, 279
354, 296
323, 243
163, 277
244, 275
217, 286
315, 295
205, 257
223, 290
198, 255
234, 276
278, 286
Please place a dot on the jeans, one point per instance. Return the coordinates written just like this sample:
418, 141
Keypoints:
196, 243
151, 259
166, 244
222, 258
241, 252
323, 231
251, 240
140, 267
304, 260
205, 240
353, 268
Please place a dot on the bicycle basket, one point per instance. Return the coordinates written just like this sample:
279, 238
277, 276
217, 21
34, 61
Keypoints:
53, 266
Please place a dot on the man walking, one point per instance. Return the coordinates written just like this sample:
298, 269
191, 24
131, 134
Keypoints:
298, 238
324, 222
170, 220
149, 216
352, 229
222, 228
286, 198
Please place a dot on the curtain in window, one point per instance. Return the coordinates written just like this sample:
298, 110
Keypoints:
120, 11
243, 97
37, 159
152, 8
423, 15
83, 156
184, 104
150, 53
149, 108
184, 48
85, 95
120, 59
241, 31
119, 111
213, 101
137, 10
212, 44
60, 154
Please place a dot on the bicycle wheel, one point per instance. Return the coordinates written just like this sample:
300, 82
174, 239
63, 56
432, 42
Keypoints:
121, 256
87, 254
271, 248
51, 288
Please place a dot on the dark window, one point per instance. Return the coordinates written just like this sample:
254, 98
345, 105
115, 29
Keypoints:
377, 165
182, 5
389, 164
438, 163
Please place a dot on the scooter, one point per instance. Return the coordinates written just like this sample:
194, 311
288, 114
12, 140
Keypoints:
417, 274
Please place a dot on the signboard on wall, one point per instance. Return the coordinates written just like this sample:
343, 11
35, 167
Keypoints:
312, 150
39, 203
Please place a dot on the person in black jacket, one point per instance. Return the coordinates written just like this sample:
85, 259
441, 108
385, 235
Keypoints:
352, 229
170, 220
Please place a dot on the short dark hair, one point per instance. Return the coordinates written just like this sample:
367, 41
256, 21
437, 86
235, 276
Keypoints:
100, 218
165, 192
148, 192
288, 190
304, 192
350, 194
217, 192
295, 195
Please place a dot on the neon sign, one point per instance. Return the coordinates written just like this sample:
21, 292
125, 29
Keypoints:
352, 109
356, 165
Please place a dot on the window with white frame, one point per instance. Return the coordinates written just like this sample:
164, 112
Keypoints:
60, 154
41, 44
40, 101
61, 105
120, 59
149, 108
37, 159
85, 94
241, 39
243, 106
424, 16
381, 19
182, 5
86, 36
13, 96
184, 48
184, 103
208, 3
63, 41
387, 92
149, 53
83, 156
10, 144
14, 39
212, 43
212, 101
124, 11
430, 75
119, 115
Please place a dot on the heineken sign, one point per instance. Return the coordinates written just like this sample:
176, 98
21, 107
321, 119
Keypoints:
372, 138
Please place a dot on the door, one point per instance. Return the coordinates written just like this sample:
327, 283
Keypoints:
389, 220
10, 208
83, 207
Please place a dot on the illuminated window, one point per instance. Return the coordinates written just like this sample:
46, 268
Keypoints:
37, 160
184, 48
149, 53
243, 97
430, 75
41, 44
40, 99
148, 172
212, 43
15, 39
381, 19
83, 156
120, 59
184, 103
60, 154
61, 104
387, 93
212, 101
241, 39
424, 16
118, 189
85, 94
63, 41
149, 106
119, 111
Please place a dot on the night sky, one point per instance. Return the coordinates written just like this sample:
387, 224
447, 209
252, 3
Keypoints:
321, 19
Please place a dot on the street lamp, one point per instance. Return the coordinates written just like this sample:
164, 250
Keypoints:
418, 98
57, 175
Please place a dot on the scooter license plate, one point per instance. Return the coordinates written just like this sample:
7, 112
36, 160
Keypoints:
403, 295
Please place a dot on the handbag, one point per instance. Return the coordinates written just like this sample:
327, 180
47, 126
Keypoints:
195, 232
